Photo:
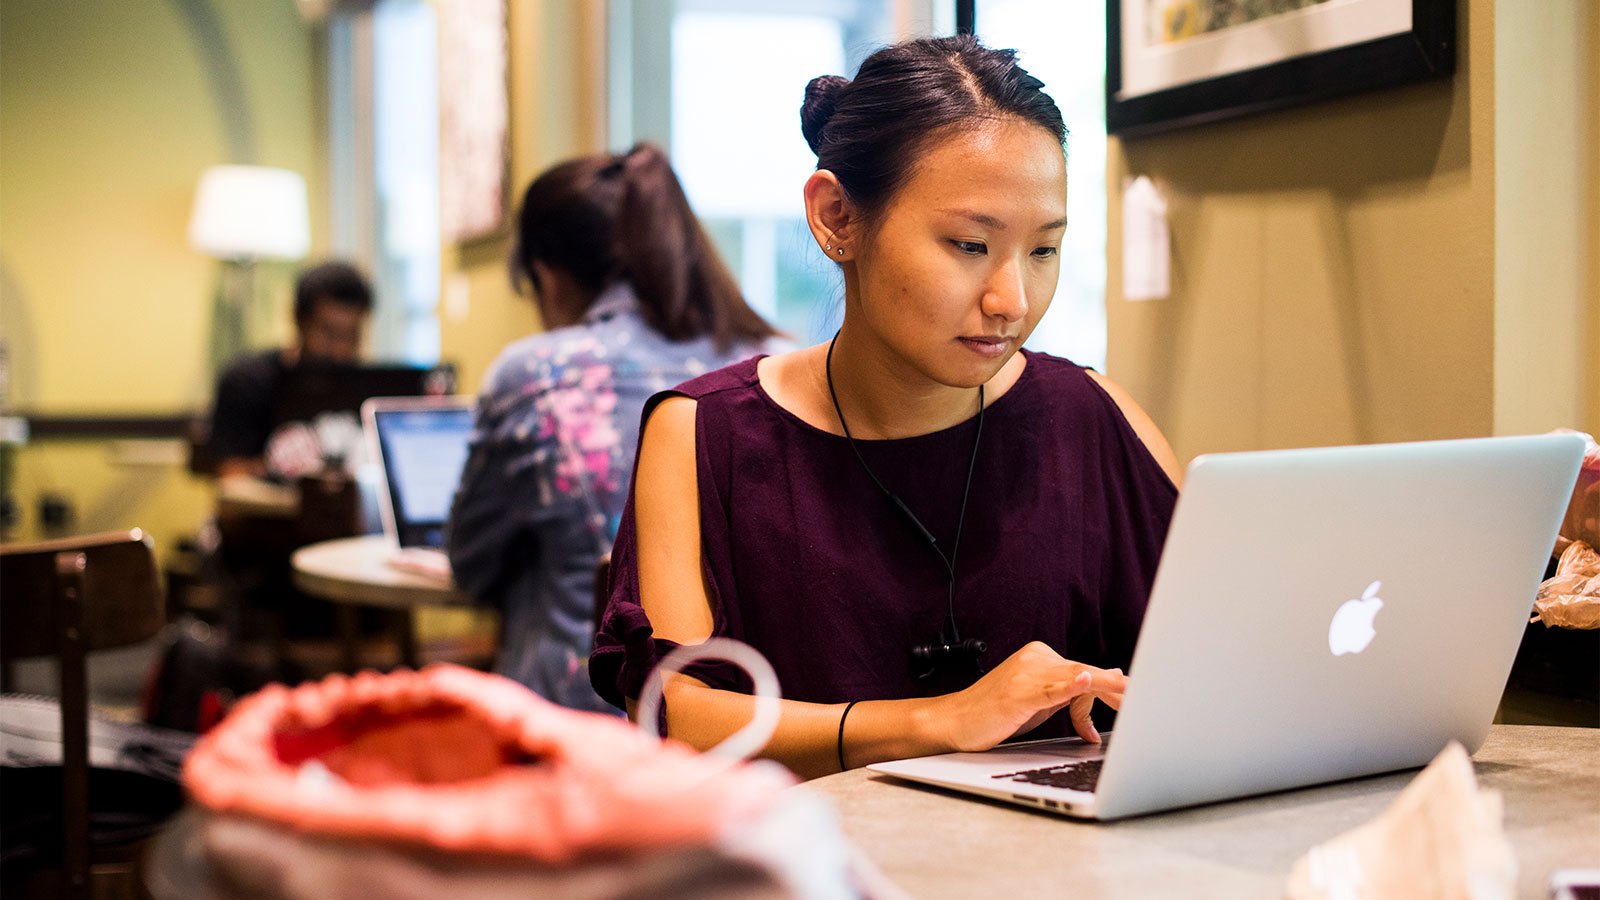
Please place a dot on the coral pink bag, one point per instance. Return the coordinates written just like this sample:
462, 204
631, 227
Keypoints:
454, 780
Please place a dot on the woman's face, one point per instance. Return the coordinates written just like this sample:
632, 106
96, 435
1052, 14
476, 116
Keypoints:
957, 271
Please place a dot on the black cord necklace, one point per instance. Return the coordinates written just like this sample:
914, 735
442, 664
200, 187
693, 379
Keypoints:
932, 653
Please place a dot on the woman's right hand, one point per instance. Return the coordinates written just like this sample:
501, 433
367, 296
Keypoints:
1032, 684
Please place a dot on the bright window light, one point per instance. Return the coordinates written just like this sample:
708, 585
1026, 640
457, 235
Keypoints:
1063, 43
732, 74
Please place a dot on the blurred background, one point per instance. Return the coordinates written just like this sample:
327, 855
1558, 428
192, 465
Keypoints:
1410, 263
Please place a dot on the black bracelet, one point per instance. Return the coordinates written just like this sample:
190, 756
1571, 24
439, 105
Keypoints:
847, 707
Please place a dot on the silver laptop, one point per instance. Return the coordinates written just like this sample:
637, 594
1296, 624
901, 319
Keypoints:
1316, 615
420, 445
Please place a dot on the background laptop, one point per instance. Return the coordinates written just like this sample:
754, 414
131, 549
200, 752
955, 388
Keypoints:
420, 445
315, 387
1316, 615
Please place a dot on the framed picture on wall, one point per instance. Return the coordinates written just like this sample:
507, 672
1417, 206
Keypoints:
1175, 63
474, 120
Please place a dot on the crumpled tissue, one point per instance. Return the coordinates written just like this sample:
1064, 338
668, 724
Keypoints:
1442, 838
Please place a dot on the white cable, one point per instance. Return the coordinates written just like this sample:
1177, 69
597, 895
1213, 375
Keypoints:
745, 742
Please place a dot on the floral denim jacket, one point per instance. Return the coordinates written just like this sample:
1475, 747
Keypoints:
546, 478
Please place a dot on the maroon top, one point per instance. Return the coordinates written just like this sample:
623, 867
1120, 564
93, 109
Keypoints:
806, 560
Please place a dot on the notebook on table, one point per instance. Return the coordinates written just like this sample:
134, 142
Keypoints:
420, 445
1316, 615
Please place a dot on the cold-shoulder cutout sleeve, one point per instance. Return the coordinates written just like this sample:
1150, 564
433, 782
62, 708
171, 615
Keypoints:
626, 649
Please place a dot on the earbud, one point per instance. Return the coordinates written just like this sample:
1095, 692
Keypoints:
929, 658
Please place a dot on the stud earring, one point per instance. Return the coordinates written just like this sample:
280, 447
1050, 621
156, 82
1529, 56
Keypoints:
841, 251
828, 247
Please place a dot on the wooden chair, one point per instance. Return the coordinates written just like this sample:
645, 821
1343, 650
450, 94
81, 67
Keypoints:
64, 598
261, 608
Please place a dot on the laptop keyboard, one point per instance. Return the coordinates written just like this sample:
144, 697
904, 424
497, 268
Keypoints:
1075, 776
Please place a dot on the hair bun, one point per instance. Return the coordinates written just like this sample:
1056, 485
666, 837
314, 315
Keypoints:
822, 99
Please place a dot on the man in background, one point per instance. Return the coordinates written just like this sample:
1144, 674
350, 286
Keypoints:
331, 305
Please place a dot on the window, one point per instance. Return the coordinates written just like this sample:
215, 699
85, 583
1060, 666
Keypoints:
384, 167
1063, 44
719, 84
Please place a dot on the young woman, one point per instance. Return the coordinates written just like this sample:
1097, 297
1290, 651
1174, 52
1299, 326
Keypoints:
634, 300
940, 541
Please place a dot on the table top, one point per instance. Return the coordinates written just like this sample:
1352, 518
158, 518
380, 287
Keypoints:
246, 495
357, 570
936, 844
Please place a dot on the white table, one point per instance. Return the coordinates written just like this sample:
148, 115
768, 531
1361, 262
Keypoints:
356, 572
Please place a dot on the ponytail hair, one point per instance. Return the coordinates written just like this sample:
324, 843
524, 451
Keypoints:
607, 218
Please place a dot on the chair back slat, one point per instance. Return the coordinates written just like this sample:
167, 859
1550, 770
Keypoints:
122, 601
61, 599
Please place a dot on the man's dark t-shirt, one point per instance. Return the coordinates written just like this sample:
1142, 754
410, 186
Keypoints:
242, 419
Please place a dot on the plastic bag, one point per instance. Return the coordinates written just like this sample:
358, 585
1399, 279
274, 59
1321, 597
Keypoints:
1571, 598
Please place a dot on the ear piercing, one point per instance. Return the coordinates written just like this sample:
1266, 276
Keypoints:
830, 248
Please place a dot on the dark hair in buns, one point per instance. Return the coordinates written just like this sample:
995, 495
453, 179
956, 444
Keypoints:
870, 131
822, 98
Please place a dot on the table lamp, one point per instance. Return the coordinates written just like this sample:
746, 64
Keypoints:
243, 214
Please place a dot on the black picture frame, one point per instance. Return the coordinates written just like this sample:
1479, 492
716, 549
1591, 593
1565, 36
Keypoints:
1428, 50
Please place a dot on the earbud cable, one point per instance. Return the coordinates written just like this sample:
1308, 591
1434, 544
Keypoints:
972, 464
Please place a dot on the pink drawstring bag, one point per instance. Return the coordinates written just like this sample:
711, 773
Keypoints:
452, 780
459, 760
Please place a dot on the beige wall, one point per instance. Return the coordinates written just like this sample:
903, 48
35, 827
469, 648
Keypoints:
108, 114
1333, 269
1543, 165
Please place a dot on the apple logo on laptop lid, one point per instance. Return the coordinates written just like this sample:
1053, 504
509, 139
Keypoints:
1351, 629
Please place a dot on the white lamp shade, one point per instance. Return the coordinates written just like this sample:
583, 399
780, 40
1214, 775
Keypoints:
250, 212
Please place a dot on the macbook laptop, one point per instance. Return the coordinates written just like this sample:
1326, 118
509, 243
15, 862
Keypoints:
1317, 615
420, 445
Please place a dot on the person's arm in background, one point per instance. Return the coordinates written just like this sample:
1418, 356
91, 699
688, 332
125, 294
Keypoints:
1017, 695
233, 467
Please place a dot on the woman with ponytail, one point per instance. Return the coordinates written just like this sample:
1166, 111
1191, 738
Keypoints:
634, 300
